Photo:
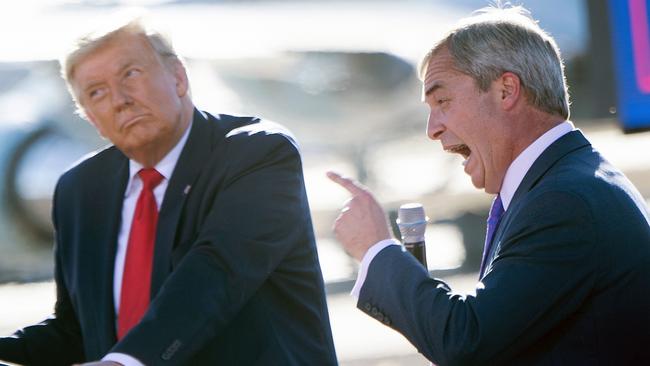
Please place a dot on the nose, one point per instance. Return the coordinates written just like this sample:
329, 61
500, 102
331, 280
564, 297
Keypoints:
434, 128
121, 97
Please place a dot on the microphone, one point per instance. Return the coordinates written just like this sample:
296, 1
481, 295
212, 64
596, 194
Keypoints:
412, 223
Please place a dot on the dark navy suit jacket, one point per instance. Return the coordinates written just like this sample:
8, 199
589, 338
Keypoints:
236, 278
568, 281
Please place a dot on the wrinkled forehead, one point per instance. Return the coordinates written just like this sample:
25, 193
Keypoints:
438, 70
110, 58
119, 45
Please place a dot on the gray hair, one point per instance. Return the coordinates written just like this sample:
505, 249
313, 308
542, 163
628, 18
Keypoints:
91, 42
495, 40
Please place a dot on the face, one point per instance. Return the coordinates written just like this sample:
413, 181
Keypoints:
132, 97
467, 121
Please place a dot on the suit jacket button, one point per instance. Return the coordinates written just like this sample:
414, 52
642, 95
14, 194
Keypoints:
380, 317
387, 321
367, 306
374, 311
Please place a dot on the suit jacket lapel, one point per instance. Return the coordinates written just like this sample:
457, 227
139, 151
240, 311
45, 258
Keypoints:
187, 169
109, 217
564, 145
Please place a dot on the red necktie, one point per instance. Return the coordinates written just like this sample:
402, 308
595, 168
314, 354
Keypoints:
136, 280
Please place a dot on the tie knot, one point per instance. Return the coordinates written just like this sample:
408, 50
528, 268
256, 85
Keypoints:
496, 211
150, 178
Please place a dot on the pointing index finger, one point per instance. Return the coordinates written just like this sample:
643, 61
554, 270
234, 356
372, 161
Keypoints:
352, 186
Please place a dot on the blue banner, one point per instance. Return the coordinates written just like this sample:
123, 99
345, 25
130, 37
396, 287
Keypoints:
631, 47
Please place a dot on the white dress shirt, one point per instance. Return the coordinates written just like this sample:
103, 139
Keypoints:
511, 181
133, 188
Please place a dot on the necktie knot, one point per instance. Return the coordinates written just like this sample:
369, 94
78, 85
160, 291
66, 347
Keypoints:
150, 178
496, 211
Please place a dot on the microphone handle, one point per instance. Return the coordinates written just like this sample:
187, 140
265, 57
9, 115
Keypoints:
418, 250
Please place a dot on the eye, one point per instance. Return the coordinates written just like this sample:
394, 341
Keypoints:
96, 94
131, 73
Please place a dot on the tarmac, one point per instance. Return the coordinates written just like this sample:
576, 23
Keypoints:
359, 339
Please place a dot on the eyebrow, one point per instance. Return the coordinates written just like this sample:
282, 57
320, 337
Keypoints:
437, 85
124, 66
90, 86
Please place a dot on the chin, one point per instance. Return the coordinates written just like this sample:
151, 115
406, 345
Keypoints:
491, 189
478, 183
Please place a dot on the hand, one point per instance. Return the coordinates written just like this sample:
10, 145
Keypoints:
362, 222
99, 363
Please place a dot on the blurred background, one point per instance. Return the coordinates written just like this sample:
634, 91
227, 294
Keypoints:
342, 76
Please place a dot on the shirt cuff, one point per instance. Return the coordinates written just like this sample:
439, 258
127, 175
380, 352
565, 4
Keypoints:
123, 359
365, 263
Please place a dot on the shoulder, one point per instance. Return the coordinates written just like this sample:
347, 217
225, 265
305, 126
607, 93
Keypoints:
584, 188
254, 133
587, 174
93, 165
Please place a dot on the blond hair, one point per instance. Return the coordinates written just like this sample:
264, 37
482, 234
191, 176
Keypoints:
91, 42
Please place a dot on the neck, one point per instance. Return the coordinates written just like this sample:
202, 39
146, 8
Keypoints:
524, 129
533, 124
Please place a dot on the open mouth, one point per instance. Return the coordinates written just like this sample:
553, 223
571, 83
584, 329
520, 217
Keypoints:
461, 149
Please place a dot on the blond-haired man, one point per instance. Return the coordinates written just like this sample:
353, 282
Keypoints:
186, 242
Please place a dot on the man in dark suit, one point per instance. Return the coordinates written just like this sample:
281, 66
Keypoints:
188, 242
565, 278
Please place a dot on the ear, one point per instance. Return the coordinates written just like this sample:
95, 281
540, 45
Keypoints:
510, 91
180, 75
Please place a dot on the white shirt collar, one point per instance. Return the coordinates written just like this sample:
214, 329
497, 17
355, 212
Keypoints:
165, 166
520, 166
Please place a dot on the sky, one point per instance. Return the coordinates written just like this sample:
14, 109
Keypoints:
39, 29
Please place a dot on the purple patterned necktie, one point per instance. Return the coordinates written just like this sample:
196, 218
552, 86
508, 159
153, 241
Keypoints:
492, 223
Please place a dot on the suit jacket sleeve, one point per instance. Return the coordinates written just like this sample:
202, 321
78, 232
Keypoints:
249, 226
54, 341
543, 272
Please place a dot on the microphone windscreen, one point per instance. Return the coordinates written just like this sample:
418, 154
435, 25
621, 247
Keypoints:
412, 222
